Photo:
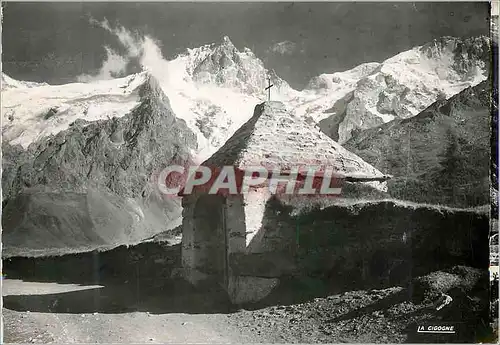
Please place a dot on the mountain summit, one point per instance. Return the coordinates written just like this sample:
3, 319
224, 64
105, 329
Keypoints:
222, 64
400, 87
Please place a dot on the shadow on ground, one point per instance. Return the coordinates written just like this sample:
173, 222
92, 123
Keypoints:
133, 279
122, 299
139, 278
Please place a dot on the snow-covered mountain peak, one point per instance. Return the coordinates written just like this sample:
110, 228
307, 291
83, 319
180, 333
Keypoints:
226, 42
329, 81
33, 112
215, 87
440, 46
399, 87
223, 65
472, 47
11, 83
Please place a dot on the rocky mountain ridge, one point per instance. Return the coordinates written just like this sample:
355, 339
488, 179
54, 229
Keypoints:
399, 87
215, 87
440, 156
92, 184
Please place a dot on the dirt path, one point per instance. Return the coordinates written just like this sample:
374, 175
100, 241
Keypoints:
136, 327
40, 325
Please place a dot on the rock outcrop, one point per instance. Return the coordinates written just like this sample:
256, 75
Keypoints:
224, 65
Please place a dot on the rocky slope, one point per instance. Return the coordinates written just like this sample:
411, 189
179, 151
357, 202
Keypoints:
440, 156
373, 316
399, 87
75, 178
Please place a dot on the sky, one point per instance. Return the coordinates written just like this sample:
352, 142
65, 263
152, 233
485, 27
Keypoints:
57, 42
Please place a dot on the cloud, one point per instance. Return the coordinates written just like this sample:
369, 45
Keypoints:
142, 49
127, 40
114, 65
284, 48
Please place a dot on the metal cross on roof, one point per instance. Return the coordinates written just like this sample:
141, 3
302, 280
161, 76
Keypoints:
269, 88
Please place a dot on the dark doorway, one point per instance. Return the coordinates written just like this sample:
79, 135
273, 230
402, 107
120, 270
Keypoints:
210, 233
